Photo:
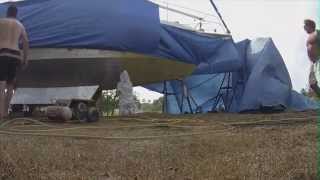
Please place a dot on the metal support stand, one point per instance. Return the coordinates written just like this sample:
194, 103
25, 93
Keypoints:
225, 89
185, 95
224, 93
165, 97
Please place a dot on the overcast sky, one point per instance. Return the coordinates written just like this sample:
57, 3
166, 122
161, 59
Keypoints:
280, 19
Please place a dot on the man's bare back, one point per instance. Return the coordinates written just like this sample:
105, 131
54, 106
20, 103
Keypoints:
11, 32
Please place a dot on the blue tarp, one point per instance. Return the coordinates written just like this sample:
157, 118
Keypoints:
98, 24
208, 52
265, 79
122, 25
262, 82
238, 77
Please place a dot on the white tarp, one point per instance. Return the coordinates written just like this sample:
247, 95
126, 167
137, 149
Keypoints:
127, 105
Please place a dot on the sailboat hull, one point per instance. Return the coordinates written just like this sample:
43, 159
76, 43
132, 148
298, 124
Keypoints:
83, 67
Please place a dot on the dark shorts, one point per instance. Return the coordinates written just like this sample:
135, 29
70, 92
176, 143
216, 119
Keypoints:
8, 68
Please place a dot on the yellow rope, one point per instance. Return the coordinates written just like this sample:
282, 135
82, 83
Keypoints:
115, 138
17, 132
263, 122
93, 127
6, 123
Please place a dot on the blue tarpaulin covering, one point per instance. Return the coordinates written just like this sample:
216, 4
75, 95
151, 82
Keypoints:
99, 24
232, 76
262, 83
208, 52
122, 25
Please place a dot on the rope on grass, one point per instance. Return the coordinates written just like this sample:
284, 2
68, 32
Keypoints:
16, 132
265, 122
86, 137
6, 123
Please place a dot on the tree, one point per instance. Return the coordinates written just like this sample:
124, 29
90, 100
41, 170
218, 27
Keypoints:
110, 102
304, 92
310, 93
156, 106
137, 101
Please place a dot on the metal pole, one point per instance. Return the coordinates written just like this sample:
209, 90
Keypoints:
164, 101
216, 9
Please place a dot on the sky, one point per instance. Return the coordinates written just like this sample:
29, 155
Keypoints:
282, 20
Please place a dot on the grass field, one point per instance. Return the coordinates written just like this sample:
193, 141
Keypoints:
154, 146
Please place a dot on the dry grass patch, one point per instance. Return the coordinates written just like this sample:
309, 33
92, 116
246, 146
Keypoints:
251, 153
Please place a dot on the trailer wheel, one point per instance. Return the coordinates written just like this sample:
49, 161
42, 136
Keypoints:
93, 114
80, 111
30, 111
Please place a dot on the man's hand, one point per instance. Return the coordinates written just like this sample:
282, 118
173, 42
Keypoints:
312, 79
24, 65
313, 85
25, 48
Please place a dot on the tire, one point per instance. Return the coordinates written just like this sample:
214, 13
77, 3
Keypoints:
80, 111
93, 115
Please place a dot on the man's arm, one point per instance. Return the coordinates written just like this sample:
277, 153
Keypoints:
311, 53
311, 47
313, 82
25, 46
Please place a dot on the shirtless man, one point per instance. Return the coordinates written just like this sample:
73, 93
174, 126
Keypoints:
313, 40
11, 33
313, 47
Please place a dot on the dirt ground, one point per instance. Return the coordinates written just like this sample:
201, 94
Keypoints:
155, 146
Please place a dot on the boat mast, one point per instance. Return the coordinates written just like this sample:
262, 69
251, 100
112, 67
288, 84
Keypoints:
216, 9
